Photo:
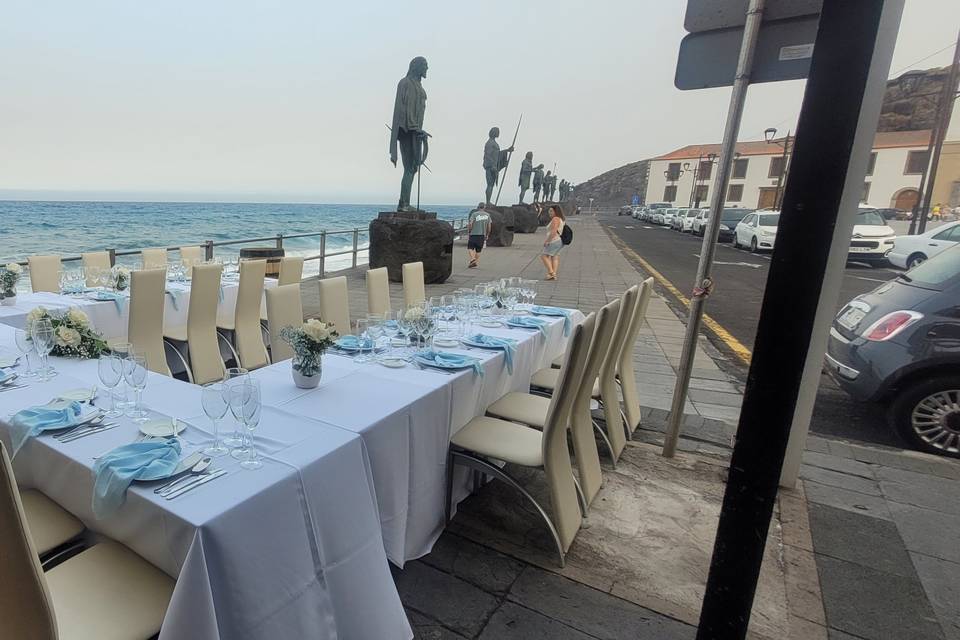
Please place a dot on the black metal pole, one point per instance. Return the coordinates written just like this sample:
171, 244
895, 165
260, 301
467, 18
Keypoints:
822, 150
781, 176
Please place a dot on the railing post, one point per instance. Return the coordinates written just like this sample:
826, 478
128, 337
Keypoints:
279, 241
208, 250
356, 236
323, 252
113, 256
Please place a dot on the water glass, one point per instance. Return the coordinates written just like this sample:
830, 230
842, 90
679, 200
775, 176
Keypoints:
405, 329
43, 341
377, 329
362, 331
232, 376
135, 375
122, 350
246, 407
26, 349
110, 370
215, 405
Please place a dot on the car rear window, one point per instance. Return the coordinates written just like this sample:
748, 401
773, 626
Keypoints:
939, 271
734, 215
769, 219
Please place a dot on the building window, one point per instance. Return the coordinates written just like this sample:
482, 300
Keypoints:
740, 168
735, 194
700, 193
670, 193
706, 170
673, 171
871, 163
916, 162
866, 192
776, 167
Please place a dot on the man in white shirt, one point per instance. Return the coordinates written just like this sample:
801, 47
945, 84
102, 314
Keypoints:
479, 226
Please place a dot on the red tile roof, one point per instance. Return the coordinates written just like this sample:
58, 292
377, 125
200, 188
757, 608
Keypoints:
883, 140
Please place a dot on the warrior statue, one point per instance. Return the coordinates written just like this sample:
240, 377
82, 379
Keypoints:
547, 181
493, 160
537, 182
553, 187
526, 169
407, 129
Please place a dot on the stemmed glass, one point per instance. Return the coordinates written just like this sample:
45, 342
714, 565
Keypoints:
245, 406
231, 377
43, 339
122, 351
110, 369
376, 329
135, 375
215, 405
26, 348
405, 329
363, 334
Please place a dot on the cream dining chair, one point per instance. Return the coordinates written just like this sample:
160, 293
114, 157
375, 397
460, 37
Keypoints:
52, 528
44, 273
245, 322
145, 321
414, 290
190, 256
626, 375
378, 291
105, 592
200, 333
485, 440
93, 261
335, 303
291, 271
154, 258
284, 309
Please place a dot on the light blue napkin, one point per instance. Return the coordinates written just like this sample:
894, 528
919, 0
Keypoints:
33, 421
114, 471
509, 346
352, 343
5, 374
448, 360
530, 323
118, 298
555, 311
173, 300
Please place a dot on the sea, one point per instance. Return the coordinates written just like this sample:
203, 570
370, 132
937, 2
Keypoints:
69, 228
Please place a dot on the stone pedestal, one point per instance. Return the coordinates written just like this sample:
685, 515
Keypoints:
525, 218
501, 227
398, 237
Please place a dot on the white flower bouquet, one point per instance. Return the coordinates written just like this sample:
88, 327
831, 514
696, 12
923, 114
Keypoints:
308, 342
121, 277
9, 276
73, 335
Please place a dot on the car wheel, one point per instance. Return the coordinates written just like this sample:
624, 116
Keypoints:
736, 241
915, 259
927, 415
753, 244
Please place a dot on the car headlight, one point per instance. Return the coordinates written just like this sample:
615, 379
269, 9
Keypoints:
724, 227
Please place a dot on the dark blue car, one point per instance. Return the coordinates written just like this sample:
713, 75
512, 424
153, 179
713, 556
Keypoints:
900, 345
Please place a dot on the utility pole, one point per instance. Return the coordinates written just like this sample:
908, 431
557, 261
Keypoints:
782, 173
704, 282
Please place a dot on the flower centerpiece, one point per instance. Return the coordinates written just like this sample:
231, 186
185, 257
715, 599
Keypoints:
308, 342
9, 276
121, 277
497, 293
73, 335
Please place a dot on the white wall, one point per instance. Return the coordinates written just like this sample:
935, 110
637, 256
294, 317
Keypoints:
888, 177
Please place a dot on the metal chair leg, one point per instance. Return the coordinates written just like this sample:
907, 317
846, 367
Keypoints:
183, 361
582, 499
236, 356
480, 464
606, 441
448, 505
626, 425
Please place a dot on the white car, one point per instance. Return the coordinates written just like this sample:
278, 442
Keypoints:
686, 223
668, 216
872, 238
757, 230
909, 251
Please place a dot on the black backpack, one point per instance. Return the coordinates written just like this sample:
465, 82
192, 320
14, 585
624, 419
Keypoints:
566, 235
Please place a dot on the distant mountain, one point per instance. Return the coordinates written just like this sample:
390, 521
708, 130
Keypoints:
615, 187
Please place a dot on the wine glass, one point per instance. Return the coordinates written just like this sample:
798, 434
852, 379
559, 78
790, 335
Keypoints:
110, 370
215, 405
232, 376
376, 328
244, 400
135, 375
405, 329
26, 348
43, 340
362, 332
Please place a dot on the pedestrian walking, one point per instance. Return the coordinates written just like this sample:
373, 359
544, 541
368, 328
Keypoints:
479, 225
553, 244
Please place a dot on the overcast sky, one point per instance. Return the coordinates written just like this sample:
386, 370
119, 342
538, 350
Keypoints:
286, 101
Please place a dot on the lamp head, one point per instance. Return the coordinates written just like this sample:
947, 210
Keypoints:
770, 134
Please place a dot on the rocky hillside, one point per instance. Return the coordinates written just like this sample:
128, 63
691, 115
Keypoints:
615, 187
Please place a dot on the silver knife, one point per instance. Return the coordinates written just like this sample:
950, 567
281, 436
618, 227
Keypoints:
193, 484
107, 426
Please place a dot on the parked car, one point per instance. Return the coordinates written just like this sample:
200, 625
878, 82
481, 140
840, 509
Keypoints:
757, 230
728, 220
668, 216
686, 222
892, 214
625, 210
872, 238
677, 221
909, 251
899, 346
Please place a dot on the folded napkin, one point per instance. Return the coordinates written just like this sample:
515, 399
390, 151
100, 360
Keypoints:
6, 374
33, 421
554, 311
352, 343
118, 298
173, 300
114, 471
443, 359
509, 346
530, 323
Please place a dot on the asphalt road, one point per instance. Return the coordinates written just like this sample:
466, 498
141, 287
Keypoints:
740, 278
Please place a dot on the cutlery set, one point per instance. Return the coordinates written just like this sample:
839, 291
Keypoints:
197, 475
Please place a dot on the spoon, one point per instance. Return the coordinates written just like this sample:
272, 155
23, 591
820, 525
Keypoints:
196, 469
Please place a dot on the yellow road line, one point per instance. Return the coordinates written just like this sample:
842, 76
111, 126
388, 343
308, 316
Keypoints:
737, 347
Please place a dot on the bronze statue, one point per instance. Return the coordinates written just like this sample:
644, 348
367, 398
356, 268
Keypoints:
547, 181
526, 169
537, 182
407, 129
493, 160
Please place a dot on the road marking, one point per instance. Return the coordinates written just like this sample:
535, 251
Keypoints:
648, 227
737, 347
752, 265
629, 227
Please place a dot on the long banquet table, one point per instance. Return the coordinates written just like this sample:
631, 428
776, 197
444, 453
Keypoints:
354, 473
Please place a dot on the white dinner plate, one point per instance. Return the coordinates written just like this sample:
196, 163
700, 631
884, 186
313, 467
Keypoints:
490, 323
161, 428
7, 362
445, 342
79, 395
393, 363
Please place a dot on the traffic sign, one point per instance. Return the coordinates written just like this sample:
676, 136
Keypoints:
635, 200
708, 15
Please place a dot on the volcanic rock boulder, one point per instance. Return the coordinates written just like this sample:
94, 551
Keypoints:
501, 227
400, 237
525, 218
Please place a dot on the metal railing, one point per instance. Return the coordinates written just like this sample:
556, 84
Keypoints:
459, 226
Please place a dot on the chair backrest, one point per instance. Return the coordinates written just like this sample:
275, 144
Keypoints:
556, 456
145, 320
608, 373
44, 273
291, 270
414, 290
93, 261
625, 368
335, 304
26, 608
246, 318
154, 258
206, 363
378, 291
581, 423
190, 256
284, 309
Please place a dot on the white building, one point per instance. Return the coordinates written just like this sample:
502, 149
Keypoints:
893, 174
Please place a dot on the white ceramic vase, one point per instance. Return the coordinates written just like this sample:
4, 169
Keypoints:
302, 381
8, 301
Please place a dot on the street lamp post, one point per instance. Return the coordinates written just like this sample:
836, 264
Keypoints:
672, 179
770, 136
696, 177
